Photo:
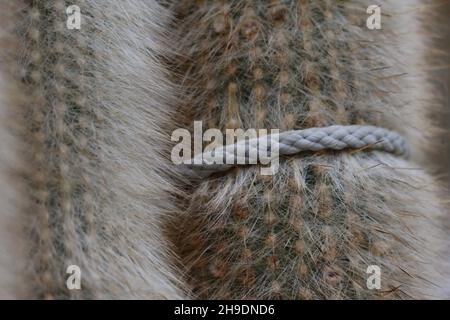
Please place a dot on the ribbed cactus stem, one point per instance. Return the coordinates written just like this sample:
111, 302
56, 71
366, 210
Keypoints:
311, 230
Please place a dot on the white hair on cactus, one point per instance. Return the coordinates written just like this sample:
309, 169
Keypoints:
311, 230
94, 106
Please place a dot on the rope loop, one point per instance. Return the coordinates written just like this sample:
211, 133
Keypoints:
336, 137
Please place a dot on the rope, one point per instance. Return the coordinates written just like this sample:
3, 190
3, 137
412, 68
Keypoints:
296, 141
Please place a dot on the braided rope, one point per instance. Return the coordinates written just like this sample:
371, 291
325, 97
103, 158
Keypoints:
292, 142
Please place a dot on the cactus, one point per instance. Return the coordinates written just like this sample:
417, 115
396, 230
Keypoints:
311, 230
90, 111
86, 113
